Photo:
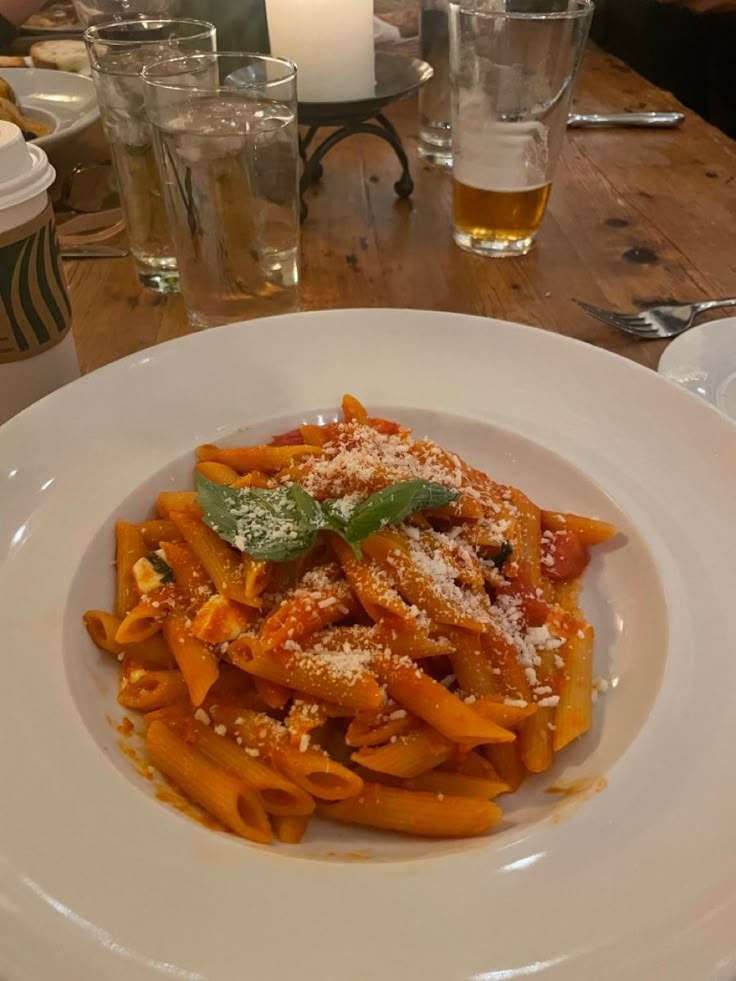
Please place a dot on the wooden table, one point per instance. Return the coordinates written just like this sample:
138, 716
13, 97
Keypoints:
636, 216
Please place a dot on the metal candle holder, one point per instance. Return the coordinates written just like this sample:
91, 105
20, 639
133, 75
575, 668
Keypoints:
397, 76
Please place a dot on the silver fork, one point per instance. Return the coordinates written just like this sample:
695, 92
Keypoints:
667, 320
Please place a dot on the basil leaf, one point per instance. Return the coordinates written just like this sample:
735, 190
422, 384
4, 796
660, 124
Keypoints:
272, 525
394, 503
335, 519
281, 524
162, 567
504, 553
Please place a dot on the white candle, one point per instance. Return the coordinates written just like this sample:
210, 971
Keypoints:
331, 42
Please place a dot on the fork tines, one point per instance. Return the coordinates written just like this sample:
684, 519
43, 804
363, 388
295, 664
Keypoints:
633, 323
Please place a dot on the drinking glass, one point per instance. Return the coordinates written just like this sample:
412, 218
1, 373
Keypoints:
118, 52
225, 130
104, 11
513, 65
435, 133
241, 24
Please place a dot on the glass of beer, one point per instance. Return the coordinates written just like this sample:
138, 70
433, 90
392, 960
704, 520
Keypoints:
226, 136
513, 65
118, 53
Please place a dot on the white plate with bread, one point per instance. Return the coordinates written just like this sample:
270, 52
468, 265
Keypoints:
49, 105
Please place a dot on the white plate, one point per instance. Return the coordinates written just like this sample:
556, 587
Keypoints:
68, 30
64, 101
703, 360
98, 880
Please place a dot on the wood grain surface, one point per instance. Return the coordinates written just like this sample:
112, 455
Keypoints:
635, 216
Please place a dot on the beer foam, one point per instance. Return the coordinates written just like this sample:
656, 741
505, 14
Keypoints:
500, 156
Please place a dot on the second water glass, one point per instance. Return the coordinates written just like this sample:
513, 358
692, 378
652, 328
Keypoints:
227, 142
118, 53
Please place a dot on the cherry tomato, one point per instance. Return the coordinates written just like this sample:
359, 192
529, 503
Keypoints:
563, 555
536, 611
292, 438
385, 426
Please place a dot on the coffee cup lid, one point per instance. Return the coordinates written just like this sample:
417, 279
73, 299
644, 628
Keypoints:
24, 168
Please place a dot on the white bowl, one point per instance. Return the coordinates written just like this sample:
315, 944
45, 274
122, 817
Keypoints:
101, 882
703, 360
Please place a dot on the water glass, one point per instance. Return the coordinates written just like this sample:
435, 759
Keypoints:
435, 131
118, 52
104, 11
513, 65
241, 24
225, 130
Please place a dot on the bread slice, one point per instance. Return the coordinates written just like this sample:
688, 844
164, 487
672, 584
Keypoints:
12, 61
67, 55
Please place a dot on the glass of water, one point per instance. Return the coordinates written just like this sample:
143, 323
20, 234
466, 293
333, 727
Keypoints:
513, 65
118, 53
226, 137
103, 11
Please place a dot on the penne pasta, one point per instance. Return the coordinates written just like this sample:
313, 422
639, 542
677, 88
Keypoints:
197, 663
411, 754
220, 561
290, 828
277, 794
443, 601
507, 762
190, 575
415, 812
158, 530
311, 769
473, 668
129, 547
255, 579
508, 716
426, 698
396, 640
221, 794
457, 785
102, 627
574, 714
269, 459
328, 676
375, 728
314, 603
141, 623
371, 584
273, 695
148, 690
353, 410
168, 501
218, 473
590, 531
535, 741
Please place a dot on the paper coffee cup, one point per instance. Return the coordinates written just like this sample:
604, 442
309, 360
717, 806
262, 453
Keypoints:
37, 351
